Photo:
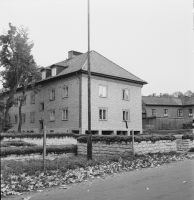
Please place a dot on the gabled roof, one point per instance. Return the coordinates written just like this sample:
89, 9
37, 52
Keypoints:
99, 65
167, 101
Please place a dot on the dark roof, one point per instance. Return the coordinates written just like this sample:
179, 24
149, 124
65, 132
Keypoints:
188, 101
167, 101
99, 65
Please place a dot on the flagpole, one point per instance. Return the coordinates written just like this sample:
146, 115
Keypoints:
89, 137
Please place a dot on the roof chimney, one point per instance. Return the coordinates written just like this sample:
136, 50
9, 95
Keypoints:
72, 54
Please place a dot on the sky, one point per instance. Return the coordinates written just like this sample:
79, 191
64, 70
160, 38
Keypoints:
152, 39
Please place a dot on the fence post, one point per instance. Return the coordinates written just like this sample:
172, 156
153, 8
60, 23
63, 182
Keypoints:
133, 150
44, 149
193, 124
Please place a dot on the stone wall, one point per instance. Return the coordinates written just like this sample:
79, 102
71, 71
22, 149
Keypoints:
101, 148
49, 141
184, 145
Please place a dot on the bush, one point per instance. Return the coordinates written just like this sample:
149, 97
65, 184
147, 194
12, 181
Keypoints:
17, 143
119, 139
38, 149
36, 135
188, 136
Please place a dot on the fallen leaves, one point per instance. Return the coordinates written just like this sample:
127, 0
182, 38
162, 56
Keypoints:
16, 184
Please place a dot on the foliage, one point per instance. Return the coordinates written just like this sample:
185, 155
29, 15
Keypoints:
16, 143
188, 136
58, 149
37, 135
17, 62
25, 176
119, 139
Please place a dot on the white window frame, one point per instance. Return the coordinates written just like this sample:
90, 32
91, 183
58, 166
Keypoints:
65, 114
32, 99
179, 113
103, 91
190, 113
126, 115
52, 95
41, 106
23, 118
153, 112
165, 112
65, 91
43, 74
52, 115
54, 71
124, 95
32, 117
103, 114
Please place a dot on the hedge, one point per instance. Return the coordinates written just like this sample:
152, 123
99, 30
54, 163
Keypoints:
57, 149
16, 143
37, 135
119, 139
188, 136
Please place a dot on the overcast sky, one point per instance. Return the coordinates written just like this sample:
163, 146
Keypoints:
153, 39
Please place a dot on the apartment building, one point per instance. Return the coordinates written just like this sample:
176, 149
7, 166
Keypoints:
61, 104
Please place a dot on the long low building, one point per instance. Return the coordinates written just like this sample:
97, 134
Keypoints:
62, 101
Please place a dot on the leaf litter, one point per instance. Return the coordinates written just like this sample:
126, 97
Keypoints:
14, 184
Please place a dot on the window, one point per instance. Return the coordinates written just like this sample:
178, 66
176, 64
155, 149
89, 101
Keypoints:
52, 115
165, 112
125, 94
153, 112
65, 114
180, 113
54, 70
32, 98
190, 112
32, 117
102, 114
16, 102
41, 106
102, 91
125, 115
16, 119
43, 74
65, 92
23, 118
52, 95
23, 100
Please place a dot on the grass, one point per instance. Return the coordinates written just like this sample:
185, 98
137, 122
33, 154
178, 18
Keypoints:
32, 167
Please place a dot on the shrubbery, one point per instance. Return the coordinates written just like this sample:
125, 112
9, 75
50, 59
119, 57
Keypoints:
119, 139
57, 149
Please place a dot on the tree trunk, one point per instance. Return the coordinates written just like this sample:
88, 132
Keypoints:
20, 118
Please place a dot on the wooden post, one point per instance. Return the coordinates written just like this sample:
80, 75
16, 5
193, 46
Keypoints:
133, 150
193, 124
44, 149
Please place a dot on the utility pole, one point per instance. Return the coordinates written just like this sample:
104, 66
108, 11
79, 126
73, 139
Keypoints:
89, 137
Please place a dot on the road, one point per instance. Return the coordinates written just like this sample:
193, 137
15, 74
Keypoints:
173, 181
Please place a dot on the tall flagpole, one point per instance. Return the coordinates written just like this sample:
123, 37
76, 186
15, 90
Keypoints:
89, 137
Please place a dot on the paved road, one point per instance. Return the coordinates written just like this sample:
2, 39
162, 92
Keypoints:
173, 181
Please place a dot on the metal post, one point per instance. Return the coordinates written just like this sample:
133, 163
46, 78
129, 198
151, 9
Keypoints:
133, 150
89, 137
44, 149
193, 124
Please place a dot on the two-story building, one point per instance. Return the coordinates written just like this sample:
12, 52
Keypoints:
62, 101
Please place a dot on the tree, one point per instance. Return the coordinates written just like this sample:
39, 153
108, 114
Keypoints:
17, 62
189, 93
178, 94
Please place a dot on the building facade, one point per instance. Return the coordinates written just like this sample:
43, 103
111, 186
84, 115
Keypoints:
61, 104
167, 112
